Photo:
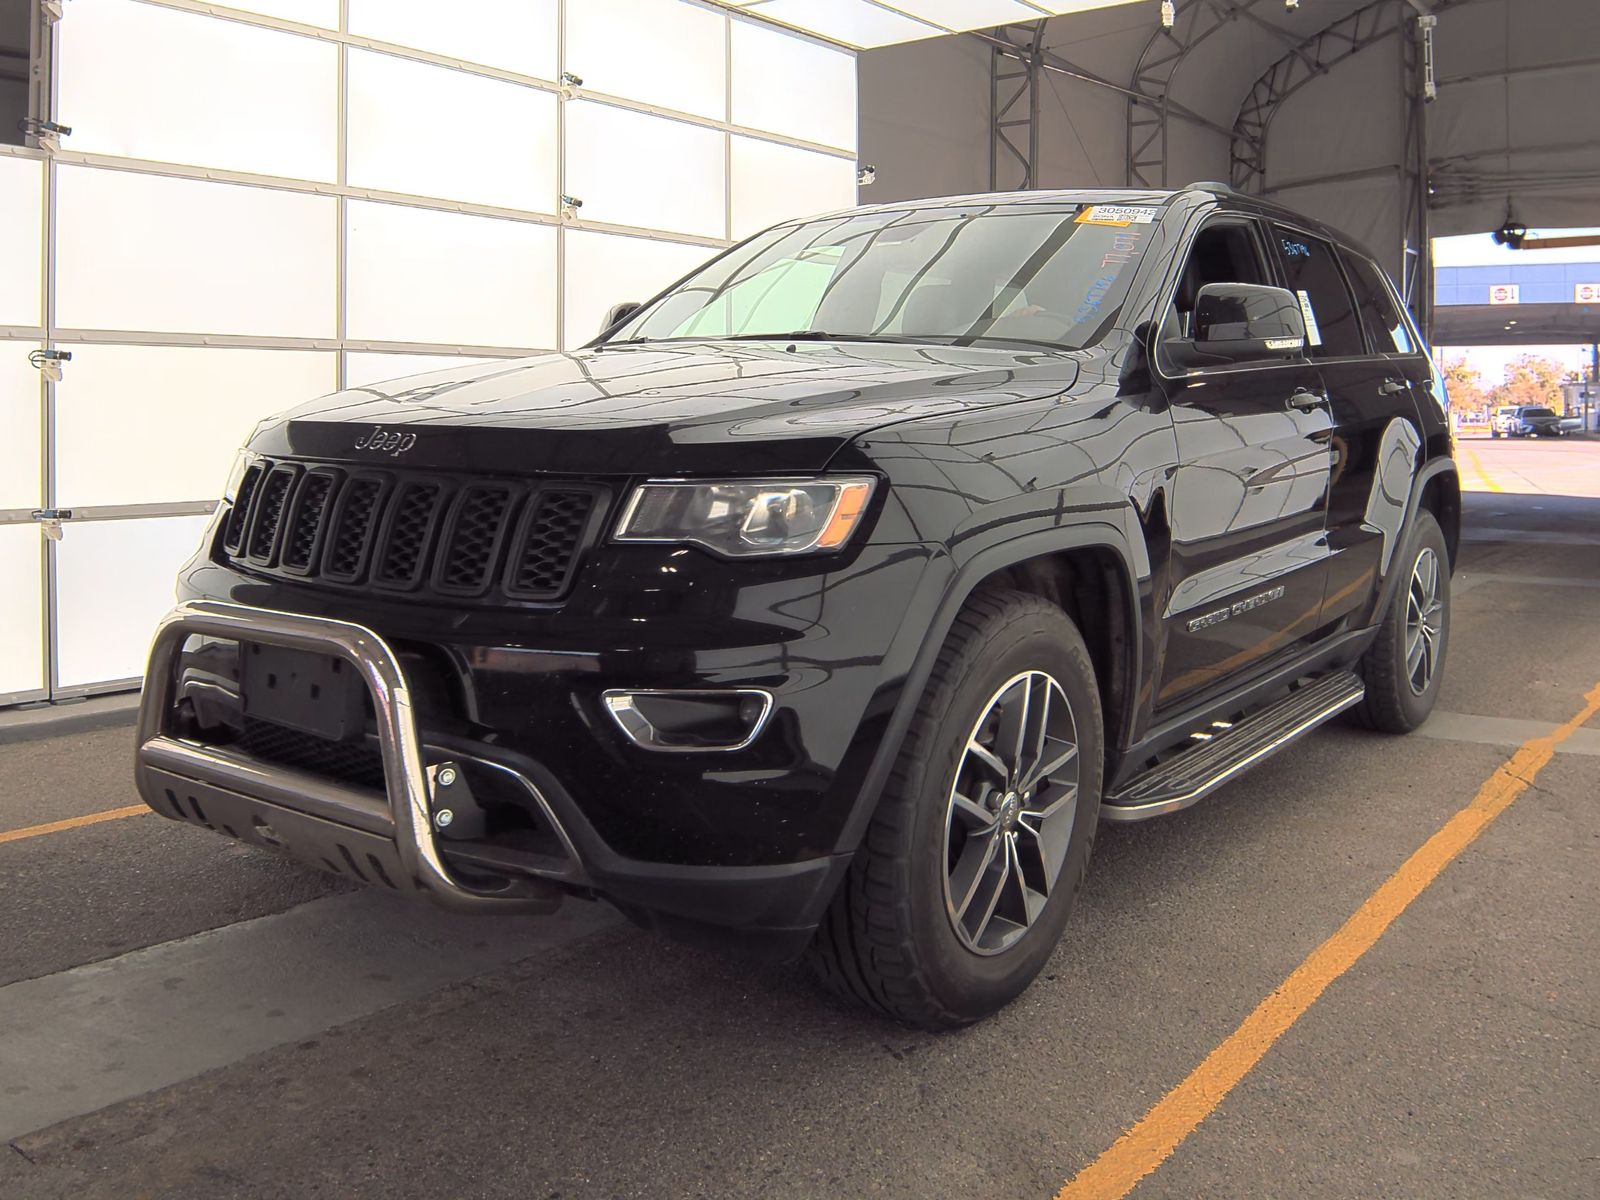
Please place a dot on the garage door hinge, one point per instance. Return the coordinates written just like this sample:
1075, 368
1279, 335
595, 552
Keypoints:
50, 519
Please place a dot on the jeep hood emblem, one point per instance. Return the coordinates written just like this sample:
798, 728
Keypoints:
392, 442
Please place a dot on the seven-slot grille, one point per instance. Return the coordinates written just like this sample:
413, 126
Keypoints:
410, 534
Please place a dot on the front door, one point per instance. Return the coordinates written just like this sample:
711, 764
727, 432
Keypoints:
1249, 498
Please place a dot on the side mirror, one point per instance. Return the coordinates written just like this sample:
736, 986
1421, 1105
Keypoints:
617, 314
1242, 322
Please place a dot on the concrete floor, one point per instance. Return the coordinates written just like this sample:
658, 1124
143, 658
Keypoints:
185, 1018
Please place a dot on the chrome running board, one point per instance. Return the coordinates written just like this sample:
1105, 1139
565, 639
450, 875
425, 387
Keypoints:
1192, 774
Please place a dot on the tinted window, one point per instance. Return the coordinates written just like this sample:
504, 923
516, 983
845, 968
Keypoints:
1379, 315
1223, 252
1312, 272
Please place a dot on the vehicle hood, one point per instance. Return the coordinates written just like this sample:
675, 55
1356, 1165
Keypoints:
703, 407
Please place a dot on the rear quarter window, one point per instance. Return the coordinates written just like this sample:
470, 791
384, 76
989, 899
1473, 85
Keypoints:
1386, 328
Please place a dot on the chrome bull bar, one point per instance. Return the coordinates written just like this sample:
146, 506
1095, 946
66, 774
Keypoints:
405, 821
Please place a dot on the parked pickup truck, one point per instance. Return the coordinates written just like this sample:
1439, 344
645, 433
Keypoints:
1528, 420
827, 601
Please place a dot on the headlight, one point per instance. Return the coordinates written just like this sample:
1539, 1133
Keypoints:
748, 518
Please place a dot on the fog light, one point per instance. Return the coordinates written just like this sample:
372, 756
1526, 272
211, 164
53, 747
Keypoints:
685, 721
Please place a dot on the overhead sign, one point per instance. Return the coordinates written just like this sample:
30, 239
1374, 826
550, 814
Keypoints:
1586, 293
1505, 293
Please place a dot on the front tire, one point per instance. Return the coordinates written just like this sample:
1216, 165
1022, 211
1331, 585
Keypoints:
1403, 667
968, 872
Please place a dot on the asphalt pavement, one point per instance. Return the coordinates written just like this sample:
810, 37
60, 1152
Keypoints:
184, 1017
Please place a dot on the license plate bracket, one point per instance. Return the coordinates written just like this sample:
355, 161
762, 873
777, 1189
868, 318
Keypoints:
320, 694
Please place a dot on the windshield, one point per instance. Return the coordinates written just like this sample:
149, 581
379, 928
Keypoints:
959, 276
1537, 412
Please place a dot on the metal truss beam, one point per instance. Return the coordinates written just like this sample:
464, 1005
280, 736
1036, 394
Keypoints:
1310, 59
1151, 107
1015, 64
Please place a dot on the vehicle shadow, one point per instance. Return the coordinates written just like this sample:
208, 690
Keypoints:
625, 1065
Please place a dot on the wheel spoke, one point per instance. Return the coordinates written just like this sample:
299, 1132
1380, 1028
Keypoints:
1069, 793
1414, 652
979, 816
1045, 770
1000, 877
1030, 906
1012, 735
988, 758
976, 859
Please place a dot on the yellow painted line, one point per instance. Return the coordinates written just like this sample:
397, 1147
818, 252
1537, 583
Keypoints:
33, 831
1176, 1115
1476, 463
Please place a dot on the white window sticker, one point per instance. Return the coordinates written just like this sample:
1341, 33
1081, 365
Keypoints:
1313, 334
1121, 215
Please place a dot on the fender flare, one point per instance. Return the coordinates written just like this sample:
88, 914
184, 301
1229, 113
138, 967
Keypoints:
1430, 470
1086, 535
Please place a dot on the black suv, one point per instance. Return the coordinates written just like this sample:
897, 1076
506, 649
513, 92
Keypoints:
827, 601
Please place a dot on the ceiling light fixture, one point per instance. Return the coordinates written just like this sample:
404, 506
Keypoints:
1169, 14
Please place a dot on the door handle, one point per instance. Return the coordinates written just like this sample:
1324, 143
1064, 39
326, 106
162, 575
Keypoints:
1305, 400
1393, 387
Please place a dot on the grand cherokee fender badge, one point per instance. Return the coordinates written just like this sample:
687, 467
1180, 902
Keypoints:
389, 441
1218, 616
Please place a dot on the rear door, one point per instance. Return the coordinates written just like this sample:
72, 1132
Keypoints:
1249, 549
1360, 344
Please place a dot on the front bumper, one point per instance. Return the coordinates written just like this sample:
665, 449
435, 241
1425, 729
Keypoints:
388, 838
297, 812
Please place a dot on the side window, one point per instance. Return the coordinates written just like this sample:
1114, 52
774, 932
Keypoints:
1386, 329
1223, 252
1312, 272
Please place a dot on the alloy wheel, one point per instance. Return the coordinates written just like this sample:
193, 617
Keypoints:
1424, 622
1010, 814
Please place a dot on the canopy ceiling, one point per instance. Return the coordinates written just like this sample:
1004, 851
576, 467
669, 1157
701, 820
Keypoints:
1323, 99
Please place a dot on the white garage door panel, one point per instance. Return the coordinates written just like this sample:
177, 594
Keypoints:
147, 82
307, 12
604, 269
632, 169
432, 131
21, 247
422, 276
117, 408
178, 255
362, 367
515, 35
21, 592
114, 580
774, 183
663, 52
784, 84
20, 444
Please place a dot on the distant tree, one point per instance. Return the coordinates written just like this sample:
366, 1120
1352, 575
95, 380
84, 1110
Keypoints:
1530, 379
1465, 385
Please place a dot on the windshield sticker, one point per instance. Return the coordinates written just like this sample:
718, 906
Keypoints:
1123, 251
1116, 214
1313, 334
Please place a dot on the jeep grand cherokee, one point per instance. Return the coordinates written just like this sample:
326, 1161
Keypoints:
828, 600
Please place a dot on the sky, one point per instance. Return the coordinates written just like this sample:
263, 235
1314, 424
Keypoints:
1478, 250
